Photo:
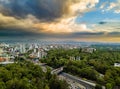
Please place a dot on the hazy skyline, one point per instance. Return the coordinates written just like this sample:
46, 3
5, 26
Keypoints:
78, 20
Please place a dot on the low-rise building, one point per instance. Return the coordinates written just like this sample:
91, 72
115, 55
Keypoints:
116, 64
2, 59
88, 50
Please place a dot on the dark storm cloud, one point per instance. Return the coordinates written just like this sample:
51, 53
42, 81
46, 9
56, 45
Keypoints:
42, 9
101, 23
9, 32
88, 33
114, 33
93, 34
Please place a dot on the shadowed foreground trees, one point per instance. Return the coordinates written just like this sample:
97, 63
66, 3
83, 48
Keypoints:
26, 75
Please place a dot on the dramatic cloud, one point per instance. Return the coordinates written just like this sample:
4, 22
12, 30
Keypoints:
66, 23
55, 17
6, 21
47, 9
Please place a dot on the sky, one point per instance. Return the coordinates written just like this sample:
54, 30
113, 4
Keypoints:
74, 20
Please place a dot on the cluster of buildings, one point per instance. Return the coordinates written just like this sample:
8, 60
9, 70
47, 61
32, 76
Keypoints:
8, 52
88, 49
4, 55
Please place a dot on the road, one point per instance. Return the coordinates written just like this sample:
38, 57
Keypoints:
74, 82
86, 84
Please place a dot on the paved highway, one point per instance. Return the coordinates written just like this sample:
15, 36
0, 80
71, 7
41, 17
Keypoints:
72, 84
86, 84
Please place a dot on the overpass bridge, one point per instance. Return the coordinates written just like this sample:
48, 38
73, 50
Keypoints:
57, 71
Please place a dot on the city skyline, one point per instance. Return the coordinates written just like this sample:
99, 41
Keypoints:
75, 20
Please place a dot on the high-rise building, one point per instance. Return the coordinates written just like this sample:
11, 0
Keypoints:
22, 48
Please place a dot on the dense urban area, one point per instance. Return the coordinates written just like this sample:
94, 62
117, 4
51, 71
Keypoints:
59, 66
